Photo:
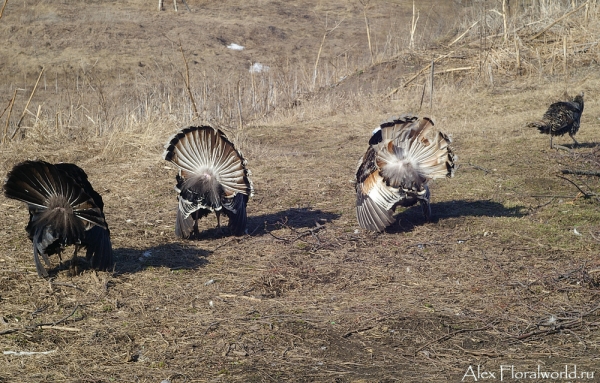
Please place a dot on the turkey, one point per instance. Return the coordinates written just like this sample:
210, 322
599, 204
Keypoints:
403, 156
64, 210
560, 118
212, 177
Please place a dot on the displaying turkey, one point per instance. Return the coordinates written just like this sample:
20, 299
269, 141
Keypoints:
64, 210
403, 156
560, 118
212, 177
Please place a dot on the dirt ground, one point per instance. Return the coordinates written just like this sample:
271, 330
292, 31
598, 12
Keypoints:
504, 278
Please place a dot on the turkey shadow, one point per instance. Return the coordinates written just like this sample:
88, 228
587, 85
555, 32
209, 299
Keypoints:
582, 145
175, 256
294, 218
413, 216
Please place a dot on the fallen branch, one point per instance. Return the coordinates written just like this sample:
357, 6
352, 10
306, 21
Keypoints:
62, 328
558, 20
419, 73
479, 168
448, 336
581, 172
53, 324
67, 285
585, 195
464, 33
239, 296
27, 353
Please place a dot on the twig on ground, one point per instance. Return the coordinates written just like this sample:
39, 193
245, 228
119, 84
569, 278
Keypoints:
27, 353
585, 194
53, 324
61, 328
448, 336
479, 168
67, 285
346, 335
580, 172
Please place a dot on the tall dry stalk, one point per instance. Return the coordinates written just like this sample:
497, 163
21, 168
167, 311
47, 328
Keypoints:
565, 54
504, 21
413, 27
431, 85
327, 31
10, 107
187, 82
27, 105
365, 4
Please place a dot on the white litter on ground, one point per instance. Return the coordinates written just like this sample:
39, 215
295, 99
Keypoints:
27, 353
235, 47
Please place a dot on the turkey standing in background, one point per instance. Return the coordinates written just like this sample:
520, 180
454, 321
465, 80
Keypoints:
403, 155
64, 210
562, 117
212, 177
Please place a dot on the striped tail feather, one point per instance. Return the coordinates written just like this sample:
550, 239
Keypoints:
38, 183
235, 209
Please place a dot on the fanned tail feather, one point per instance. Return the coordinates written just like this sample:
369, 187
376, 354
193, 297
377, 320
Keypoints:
212, 176
64, 209
403, 156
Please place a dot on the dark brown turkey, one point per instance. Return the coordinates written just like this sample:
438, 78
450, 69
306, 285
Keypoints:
560, 118
212, 177
403, 156
64, 210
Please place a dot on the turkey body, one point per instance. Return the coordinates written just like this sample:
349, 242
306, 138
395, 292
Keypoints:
561, 118
64, 210
212, 177
403, 156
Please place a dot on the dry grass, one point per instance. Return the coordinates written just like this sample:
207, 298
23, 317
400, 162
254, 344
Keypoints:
306, 296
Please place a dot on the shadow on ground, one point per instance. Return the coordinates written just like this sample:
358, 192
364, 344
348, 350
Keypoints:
175, 256
581, 145
294, 218
413, 216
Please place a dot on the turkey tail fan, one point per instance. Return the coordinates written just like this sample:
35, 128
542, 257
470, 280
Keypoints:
411, 152
404, 154
195, 149
212, 173
62, 211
